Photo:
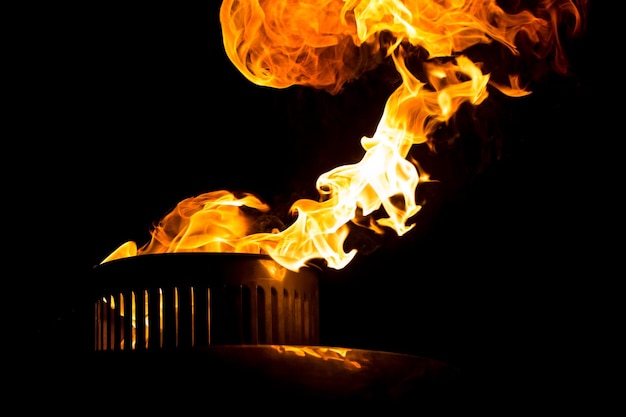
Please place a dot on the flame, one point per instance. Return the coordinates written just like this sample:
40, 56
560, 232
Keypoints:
325, 44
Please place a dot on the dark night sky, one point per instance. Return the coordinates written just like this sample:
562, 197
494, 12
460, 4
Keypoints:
135, 109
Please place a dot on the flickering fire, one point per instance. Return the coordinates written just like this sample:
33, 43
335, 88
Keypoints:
324, 44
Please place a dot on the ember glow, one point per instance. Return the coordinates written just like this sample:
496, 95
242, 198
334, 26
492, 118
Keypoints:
324, 44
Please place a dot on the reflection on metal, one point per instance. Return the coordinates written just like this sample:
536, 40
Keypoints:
320, 352
197, 300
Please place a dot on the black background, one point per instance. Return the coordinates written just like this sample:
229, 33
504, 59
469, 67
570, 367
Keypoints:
129, 109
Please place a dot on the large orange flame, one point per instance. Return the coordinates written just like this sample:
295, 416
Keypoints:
326, 43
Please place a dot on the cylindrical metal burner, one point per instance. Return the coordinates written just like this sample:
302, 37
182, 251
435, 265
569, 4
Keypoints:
192, 300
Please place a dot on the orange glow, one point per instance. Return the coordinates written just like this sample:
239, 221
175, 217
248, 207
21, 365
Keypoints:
324, 353
324, 44
211, 222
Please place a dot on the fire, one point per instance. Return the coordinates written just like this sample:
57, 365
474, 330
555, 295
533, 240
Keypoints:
324, 44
